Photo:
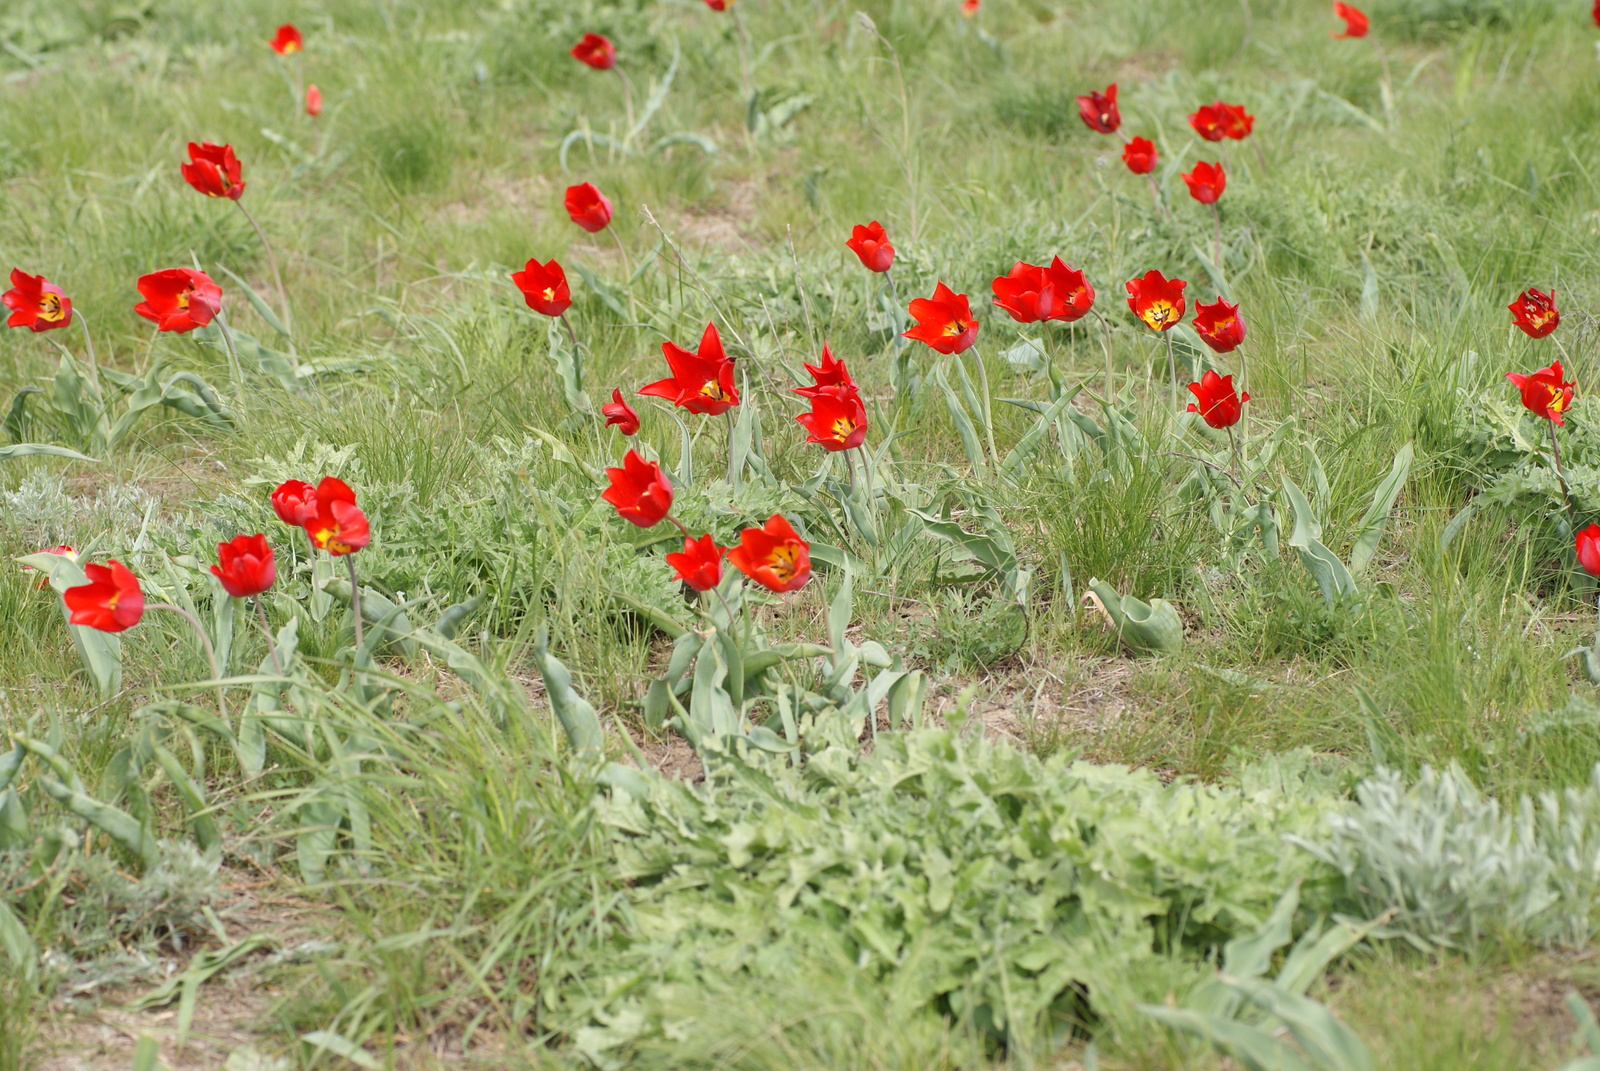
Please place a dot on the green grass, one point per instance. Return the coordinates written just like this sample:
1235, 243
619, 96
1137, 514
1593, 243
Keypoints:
1396, 195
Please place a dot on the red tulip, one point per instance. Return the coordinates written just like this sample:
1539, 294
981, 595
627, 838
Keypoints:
1208, 121
838, 419
63, 550
1534, 312
944, 321
1140, 156
1219, 406
288, 40
773, 555
245, 566
36, 303
332, 519
595, 50
1588, 541
1596, 12
620, 414
289, 501
718, 5
1024, 293
214, 171
588, 207
1157, 300
544, 287
1355, 22
1544, 393
1099, 111
1206, 182
830, 373
1219, 325
111, 601
701, 381
639, 490
313, 100
700, 563
969, 8
179, 299
1237, 123
871, 244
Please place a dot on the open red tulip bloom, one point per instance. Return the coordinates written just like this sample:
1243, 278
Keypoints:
701, 381
588, 207
111, 601
830, 373
245, 566
1099, 111
1219, 325
1588, 540
1157, 300
544, 287
595, 50
1031, 293
639, 490
1140, 155
289, 501
287, 41
1544, 393
969, 8
179, 299
332, 519
313, 100
700, 563
1535, 312
1216, 401
773, 555
1206, 182
1355, 20
36, 303
871, 244
838, 419
214, 171
619, 414
944, 321
718, 5
1222, 120
1595, 14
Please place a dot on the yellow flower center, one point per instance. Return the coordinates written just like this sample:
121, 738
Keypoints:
1160, 313
183, 298
549, 293
1558, 399
50, 310
713, 390
952, 329
784, 561
843, 428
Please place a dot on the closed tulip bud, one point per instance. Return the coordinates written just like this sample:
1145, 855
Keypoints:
313, 100
1216, 401
1219, 325
871, 244
245, 566
289, 501
1206, 182
1140, 155
1588, 548
595, 50
619, 414
588, 207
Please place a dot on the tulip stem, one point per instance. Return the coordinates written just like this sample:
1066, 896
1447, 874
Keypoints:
88, 345
1566, 493
233, 356
627, 99
272, 645
1172, 369
679, 526
988, 408
205, 642
355, 597
573, 335
850, 467
1233, 441
277, 279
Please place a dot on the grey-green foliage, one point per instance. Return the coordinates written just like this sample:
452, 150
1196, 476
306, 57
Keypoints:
1459, 867
964, 877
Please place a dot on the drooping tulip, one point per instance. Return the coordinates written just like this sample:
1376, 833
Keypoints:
871, 244
333, 520
289, 501
1140, 155
1157, 300
245, 566
214, 170
287, 41
1218, 404
111, 601
1219, 325
773, 555
179, 299
544, 287
1206, 182
701, 380
1535, 312
36, 303
830, 373
1588, 540
313, 100
639, 490
595, 50
619, 414
588, 207
1355, 20
699, 564
837, 420
1545, 393
944, 321
1099, 111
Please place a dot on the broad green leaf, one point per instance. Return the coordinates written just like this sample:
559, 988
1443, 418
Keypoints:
1328, 1042
329, 1041
258, 303
1377, 515
964, 426
18, 943
658, 96
1250, 1046
1034, 435
39, 450
576, 715
113, 822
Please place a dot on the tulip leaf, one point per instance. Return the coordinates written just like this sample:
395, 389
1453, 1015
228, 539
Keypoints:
658, 97
602, 290
964, 428
685, 137
39, 450
205, 828
17, 415
1377, 515
592, 139
1323, 564
1034, 435
568, 360
576, 715
1251, 1046
258, 303
18, 943
113, 822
